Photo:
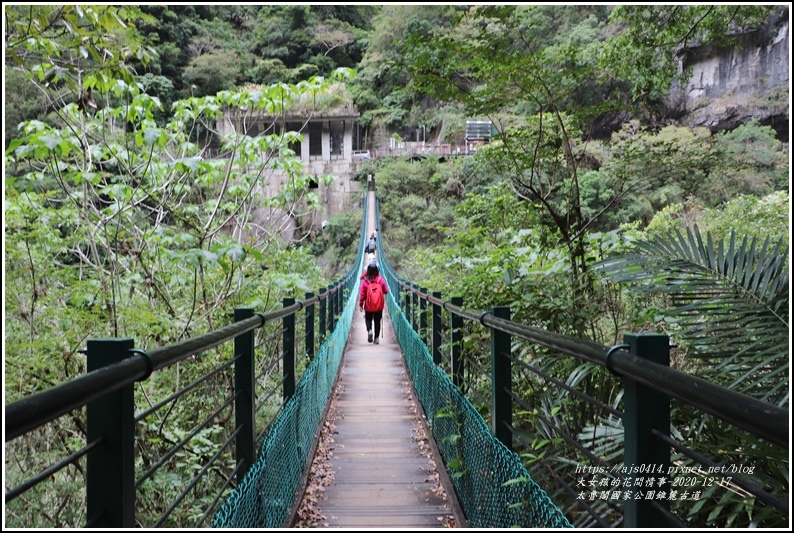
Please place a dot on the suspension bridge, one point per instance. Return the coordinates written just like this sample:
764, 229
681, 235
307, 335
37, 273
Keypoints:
310, 425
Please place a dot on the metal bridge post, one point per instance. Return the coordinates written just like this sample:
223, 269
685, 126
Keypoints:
310, 327
331, 307
110, 467
340, 299
397, 293
644, 455
408, 314
340, 291
337, 289
323, 311
501, 383
288, 341
415, 307
437, 330
423, 315
244, 403
456, 323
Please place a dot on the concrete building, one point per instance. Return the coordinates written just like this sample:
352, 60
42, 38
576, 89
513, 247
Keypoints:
327, 149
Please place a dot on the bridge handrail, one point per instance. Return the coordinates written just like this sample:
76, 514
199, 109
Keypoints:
34, 411
129, 365
648, 388
755, 416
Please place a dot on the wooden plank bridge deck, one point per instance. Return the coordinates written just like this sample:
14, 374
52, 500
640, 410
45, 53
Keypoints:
386, 471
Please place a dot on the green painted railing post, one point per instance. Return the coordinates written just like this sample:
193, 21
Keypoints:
310, 327
337, 289
342, 296
397, 294
110, 467
437, 325
340, 291
408, 314
288, 342
423, 315
323, 312
456, 323
331, 307
415, 307
501, 383
244, 387
646, 409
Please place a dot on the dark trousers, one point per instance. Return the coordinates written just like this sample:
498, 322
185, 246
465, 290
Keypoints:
375, 316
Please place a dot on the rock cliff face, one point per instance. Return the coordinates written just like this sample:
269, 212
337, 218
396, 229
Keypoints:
730, 86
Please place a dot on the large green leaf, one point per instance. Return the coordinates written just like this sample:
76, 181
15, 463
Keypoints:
730, 300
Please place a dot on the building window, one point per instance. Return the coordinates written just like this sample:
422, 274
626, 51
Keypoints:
315, 138
337, 139
296, 145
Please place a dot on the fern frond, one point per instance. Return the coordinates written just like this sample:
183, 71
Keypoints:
731, 301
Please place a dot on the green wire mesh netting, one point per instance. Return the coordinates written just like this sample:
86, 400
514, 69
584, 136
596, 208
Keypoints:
265, 496
492, 485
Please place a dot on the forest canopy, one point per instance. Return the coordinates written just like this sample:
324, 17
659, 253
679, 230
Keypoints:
594, 211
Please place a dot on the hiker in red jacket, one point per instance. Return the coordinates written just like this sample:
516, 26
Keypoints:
372, 299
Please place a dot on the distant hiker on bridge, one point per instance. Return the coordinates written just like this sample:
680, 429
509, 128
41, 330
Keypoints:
370, 259
372, 299
371, 247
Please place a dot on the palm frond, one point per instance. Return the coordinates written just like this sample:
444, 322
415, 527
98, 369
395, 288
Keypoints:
730, 300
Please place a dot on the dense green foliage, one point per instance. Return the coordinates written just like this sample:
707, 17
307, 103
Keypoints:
498, 251
176, 51
579, 193
118, 223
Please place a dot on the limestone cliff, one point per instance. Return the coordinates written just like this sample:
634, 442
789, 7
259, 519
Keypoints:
730, 86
